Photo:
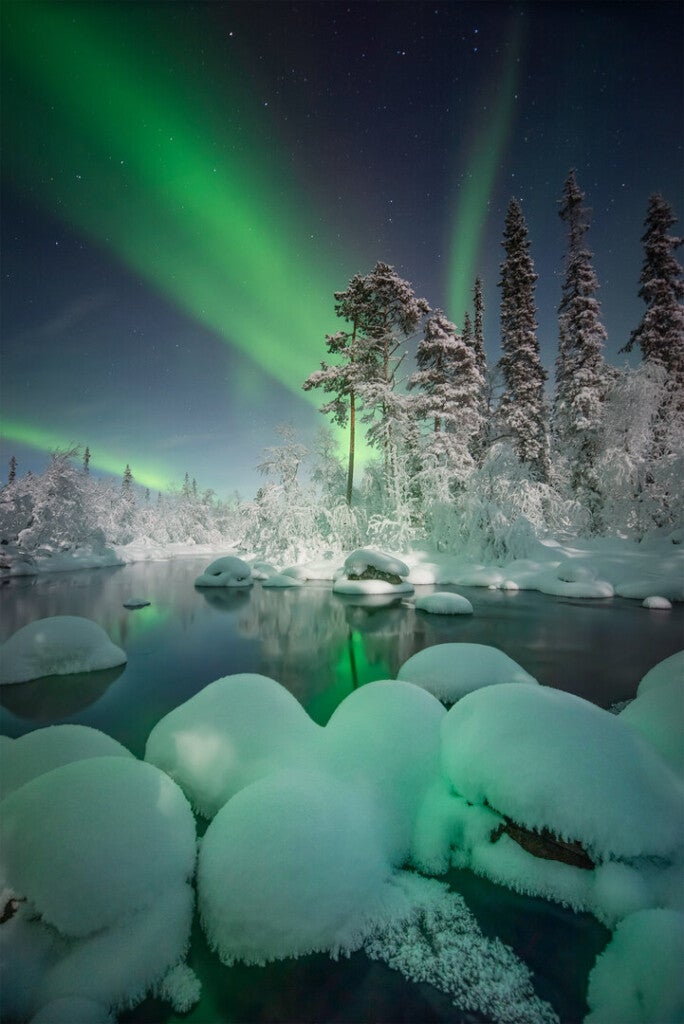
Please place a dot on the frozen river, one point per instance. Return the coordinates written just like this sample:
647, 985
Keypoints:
321, 646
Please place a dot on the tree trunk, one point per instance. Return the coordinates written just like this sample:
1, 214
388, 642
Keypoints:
352, 429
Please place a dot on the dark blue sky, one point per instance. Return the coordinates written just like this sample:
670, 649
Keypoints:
364, 125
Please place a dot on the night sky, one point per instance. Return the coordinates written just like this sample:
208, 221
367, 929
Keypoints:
185, 185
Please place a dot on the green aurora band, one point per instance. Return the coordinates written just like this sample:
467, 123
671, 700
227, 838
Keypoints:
143, 161
486, 150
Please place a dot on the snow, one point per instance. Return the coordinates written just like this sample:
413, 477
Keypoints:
638, 978
136, 602
384, 738
657, 714
664, 672
449, 671
444, 603
231, 733
366, 558
657, 603
40, 751
228, 571
262, 570
293, 864
345, 586
60, 645
114, 834
74, 1009
280, 580
528, 751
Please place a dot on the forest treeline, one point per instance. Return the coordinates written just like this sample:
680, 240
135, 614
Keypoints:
472, 458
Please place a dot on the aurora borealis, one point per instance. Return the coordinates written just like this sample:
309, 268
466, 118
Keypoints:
185, 185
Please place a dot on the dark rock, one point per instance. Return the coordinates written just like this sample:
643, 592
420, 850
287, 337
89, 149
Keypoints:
371, 573
545, 844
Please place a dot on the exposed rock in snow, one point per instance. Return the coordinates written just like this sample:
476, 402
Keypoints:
228, 571
444, 603
60, 645
449, 671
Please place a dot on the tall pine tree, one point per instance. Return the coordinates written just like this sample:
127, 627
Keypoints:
580, 367
660, 335
523, 409
480, 443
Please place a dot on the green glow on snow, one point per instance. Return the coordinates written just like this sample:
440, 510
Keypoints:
107, 461
476, 190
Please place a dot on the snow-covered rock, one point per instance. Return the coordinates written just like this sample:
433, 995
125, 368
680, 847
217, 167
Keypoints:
60, 645
293, 864
231, 733
638, 977
372, 572
449, 671
262, 570
40, 751
91, 842
282, 581
384, 738
444, 603
657, 714
136, 602
528, 751
228, 571
664, 672
657, 603
363, 559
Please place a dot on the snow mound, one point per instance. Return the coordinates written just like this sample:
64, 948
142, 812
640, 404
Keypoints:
342, 585
664, 672
444, 603
228, 571
657, 714
40, 751
384, 738
670, 588
449, 671
548, 583
359, 561
572, 571
93, 841
292, 864
262, 570
657, 603
528, 751
136, 602
231, 733
60, 645
282, 581
638, 978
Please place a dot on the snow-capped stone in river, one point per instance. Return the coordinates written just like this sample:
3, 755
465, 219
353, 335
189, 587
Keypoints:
136, 602
373, 572
444, 603
228, 571
57, 646
450, 671
657, 603
282, 581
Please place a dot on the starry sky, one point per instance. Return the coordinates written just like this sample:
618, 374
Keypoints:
185, 185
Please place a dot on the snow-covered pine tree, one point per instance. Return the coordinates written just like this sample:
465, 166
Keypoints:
127, 481
12, 470
86, 461
523, 410
480, 442
580, 368
451, 388
660, 335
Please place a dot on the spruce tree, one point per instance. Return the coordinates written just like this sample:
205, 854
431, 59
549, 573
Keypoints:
86, 461
580, 368
480, 442
451, 386
660, 335
12, 470
523, 409
127, 482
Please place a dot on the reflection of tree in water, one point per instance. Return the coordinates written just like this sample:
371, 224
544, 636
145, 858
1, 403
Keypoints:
390, 632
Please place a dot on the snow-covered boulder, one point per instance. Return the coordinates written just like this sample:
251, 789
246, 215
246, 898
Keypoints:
444, 603
262, 570
384, 738
638, 978
572, 571
231, 733
549, 760
657, 714
664, 672
657, 603
228, 571
293, 864
372, 572
281, 581
60, 645
92, 842
136, 602
449, 671
40, 751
